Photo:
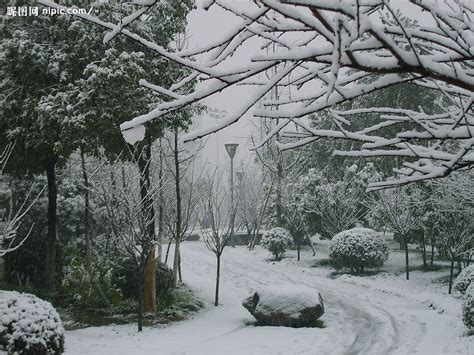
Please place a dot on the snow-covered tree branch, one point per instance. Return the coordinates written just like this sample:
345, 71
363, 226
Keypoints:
11, 218
332, 53
128, 215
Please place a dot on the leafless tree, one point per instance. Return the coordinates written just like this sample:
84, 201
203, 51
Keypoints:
331, 53
338, 204
251, 196
215, 224
180, 210
451, 201
11, 217
455, 237
397, 209
124, 212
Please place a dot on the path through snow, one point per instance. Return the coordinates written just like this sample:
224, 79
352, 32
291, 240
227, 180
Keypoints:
357, 320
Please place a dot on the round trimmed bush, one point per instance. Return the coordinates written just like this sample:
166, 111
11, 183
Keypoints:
358, 249
468, 308
29, 325
276, 240
464, 283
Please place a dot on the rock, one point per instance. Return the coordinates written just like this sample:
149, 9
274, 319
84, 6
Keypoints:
286, 305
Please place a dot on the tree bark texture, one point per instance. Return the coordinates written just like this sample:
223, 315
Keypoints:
87, 236
149, 283
218, 275
407, 270
178, 208
51, 238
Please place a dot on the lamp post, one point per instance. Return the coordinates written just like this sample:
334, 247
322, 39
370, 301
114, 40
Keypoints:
231, 148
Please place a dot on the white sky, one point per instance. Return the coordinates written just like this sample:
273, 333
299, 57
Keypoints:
205, 26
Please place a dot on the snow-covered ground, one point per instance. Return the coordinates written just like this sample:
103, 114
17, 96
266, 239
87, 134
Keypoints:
381, 314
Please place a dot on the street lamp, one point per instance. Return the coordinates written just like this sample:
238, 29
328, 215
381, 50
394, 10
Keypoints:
231, 148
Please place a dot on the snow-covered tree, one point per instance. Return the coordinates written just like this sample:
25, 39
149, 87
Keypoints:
332, 53
451, 212
294, 219
251, 198
455, 237
41, 56
123, 207
276, 240
180, 214
337, 203
397, 208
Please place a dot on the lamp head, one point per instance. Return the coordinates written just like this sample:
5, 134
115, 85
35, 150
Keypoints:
231, 149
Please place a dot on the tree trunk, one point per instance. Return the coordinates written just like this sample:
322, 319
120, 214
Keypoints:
407, 271
179, 268
260, 219
50, 265
423, 251
400, 239
279, 207
86, 209
160, 208
168, 251
178, 207
176, 263
218, 275
149, 293
451, 271
141, 273
432, 253
298, 247
149, 283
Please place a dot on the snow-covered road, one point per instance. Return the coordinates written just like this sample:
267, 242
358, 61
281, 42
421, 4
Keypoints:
357, 320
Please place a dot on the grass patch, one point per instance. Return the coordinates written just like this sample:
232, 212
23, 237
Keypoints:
178, 305
75, 314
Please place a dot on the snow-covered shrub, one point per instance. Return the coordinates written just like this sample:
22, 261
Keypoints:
468, 307
464, 279
276, 240
464, 283
29, 325
358, 249
125, 278
181, 302
90, 287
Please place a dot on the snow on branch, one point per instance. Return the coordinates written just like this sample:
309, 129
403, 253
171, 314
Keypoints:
11, 218
329, 53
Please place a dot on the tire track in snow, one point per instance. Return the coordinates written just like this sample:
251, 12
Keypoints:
361, 325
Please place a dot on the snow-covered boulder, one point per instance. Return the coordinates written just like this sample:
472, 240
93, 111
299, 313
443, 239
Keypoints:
286, 305
29, 325
358, 249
